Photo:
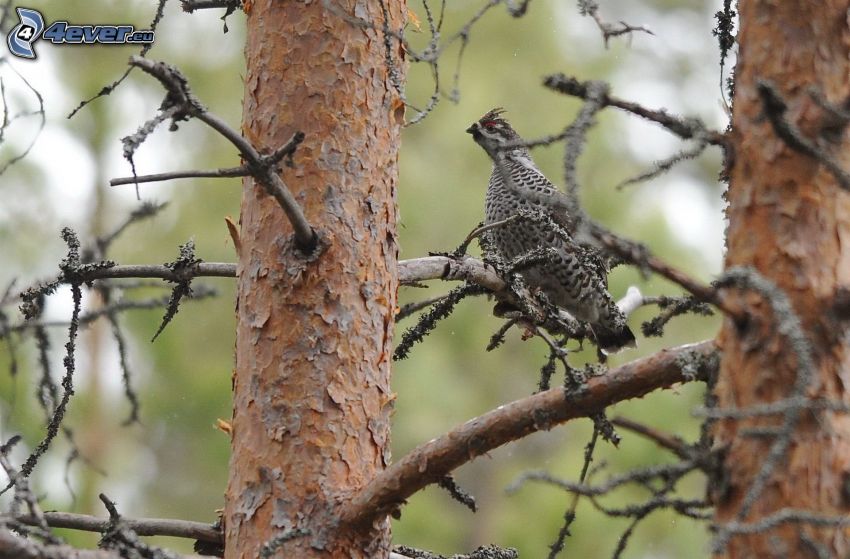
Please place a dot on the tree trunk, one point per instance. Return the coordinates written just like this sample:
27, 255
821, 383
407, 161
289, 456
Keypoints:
790, 221
312, 396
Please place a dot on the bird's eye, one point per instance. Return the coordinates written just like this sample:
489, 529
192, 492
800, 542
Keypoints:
490, 125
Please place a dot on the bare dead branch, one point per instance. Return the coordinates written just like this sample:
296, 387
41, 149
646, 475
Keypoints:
483, 552
639, 255
431, 461
142, 526
609, 30
69, 263
7, 120
685, 128
108, 89
229, 172
411, 271
640, 476
110, 309
262, 167
190, 6
23, 494
406, 310
203, 269
673, 443
480, 230
570, 514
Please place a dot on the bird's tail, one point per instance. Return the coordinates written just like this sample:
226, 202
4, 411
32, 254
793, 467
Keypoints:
613, 339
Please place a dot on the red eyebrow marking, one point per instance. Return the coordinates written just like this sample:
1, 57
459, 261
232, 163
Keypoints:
488, 123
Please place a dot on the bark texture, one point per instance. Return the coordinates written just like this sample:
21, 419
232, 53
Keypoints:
312, 396
790, 221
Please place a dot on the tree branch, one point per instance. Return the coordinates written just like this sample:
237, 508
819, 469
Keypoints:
685, 128
228, 172
142, 526
202, 269
262, 167
446, 268
190, 6
429, 462
13, 546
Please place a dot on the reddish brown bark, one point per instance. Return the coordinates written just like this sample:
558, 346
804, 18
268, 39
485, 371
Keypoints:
791, 222
312, 397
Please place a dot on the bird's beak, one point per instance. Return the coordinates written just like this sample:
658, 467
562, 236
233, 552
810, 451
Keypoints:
472, 129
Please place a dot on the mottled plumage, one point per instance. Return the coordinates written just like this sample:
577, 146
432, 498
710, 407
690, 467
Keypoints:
576, 279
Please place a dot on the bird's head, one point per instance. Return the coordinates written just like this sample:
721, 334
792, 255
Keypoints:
492, 131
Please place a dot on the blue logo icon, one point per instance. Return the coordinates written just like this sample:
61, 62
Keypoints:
25, 33
32, 28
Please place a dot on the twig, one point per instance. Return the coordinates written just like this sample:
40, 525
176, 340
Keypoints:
23, 493
641, 476
110, 309
576, 138
417, 306
410, 272
673, 443
40, 112
458, 493
108, 89
146, 210
478, 231
431, 461
203, 269
229, 172
570, 514
591, 8
70, 263
190, 6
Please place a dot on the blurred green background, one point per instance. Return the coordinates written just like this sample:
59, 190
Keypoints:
174, 463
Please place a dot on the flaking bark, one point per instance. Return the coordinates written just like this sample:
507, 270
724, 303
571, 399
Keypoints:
312, 394
790, 221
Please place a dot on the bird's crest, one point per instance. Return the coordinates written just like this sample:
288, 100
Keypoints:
493, 115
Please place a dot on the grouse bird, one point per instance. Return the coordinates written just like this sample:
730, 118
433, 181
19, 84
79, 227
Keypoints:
575, 277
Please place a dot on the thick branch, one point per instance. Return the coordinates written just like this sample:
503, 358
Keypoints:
431, 461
